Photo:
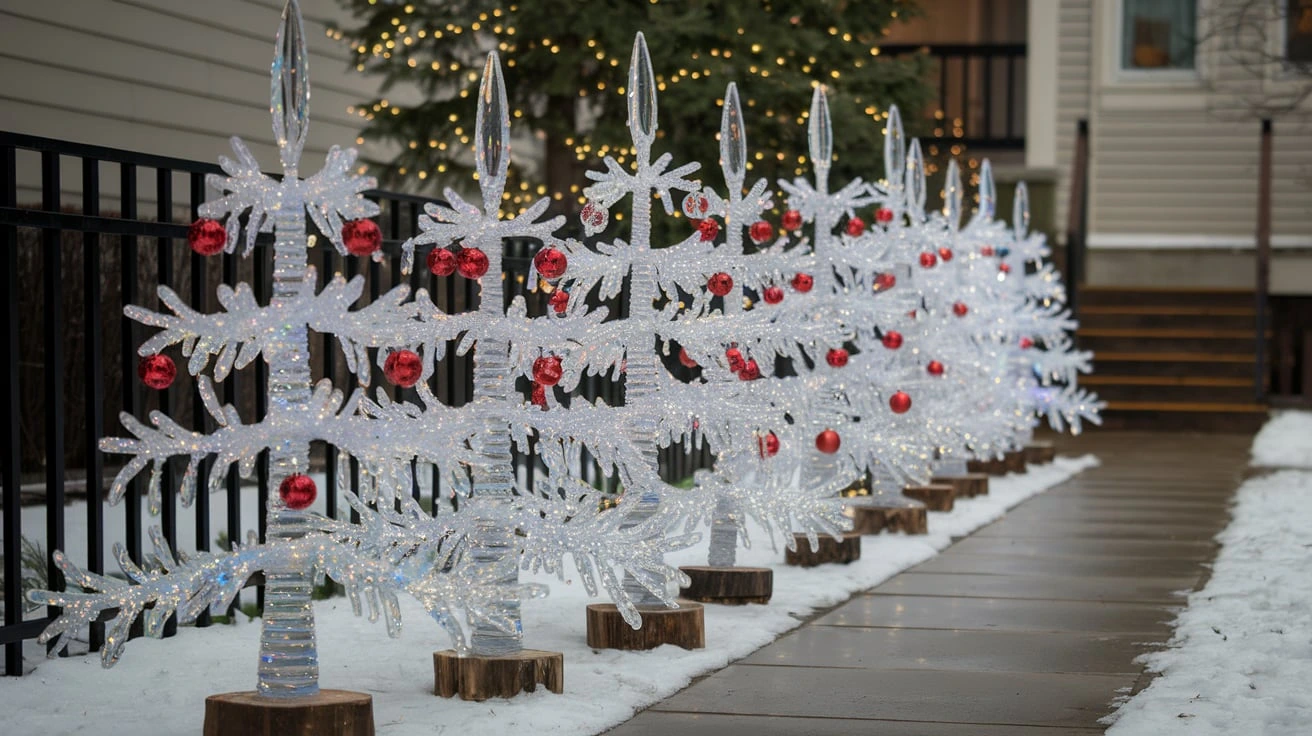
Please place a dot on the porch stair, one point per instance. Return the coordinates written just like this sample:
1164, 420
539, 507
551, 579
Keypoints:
1172, 359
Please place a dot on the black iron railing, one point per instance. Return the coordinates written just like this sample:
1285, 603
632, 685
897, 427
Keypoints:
69, 364
981, 93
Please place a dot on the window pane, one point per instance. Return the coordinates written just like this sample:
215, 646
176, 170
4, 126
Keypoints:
1298, 32
1158, 34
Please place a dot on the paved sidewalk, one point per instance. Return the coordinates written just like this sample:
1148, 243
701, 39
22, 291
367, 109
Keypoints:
1028, 627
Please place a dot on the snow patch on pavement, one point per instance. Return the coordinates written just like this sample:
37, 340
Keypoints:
1285, 441
159, 686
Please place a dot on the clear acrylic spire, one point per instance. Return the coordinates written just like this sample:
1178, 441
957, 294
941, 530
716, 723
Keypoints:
895, 147
820, 135
953, 195
1020, 212
642, 96
492, 127
915, 182
289, 93
733, 140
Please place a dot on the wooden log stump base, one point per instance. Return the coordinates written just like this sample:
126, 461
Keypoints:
873, 520
684, 626
987, 467
830, 551
729, 585
480, 678
1040, 453
967, 485
1014, 461
936, 496
326, 713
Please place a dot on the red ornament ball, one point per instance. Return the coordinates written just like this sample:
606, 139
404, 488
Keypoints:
551, 263
802, 283
769, 445
899, 402
885, 281
760, 231
791, 220
403, 368
708, 229
892, 339
207, 237
297, 491
362, 237
1004, 267
696, 205
1026, 343
559, 300
883, 215
685, 359
928, 260
986, 250
441, 262
547, 370
836, 357
157, 371
855, 227
750, 372
773, 295
735, 358
720, 284
538, 396
945, 254
471, 263
935, 368
828, 442
960, 309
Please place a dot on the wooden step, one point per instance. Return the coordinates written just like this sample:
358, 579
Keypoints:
1218, 365
1173, 388
1164, 296
1170, 340
1221, 417
1149, 316
1212, 381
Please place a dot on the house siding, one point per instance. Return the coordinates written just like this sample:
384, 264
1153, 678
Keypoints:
1074, 62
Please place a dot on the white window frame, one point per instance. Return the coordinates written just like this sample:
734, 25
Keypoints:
1113, 52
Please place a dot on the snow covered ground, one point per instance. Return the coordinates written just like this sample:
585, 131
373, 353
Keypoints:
1240, 661
159, 686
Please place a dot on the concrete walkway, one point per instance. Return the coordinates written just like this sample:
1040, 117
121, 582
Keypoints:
1029, 627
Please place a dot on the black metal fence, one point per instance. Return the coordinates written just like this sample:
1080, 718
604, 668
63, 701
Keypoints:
70, 357
981, 93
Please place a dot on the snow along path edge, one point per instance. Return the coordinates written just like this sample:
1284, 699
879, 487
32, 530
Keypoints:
1240, 660
1283, 442
159, 686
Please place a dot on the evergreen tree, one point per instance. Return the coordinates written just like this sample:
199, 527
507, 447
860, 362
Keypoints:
566, 73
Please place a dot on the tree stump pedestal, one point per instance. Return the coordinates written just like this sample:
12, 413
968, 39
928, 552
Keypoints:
729, 585
830, 550
480, 678
326, 713
967, 485
936, 496
911, 518
1040, 453
1014, 461
992, 466
684, 626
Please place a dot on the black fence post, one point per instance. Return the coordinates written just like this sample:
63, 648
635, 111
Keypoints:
9, 409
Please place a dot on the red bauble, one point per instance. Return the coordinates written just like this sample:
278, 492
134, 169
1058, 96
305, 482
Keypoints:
836, 357
1026, 343
708, 229
883, 215
768, 445
403, 368
828, 442
856, 226
720, 284
1004, 267
594, 217
960, 309
791, 220
802, 283
559, 300
986, 250
735, 358
471, 263
899, 402
945, 254
935, 368
550, 263
773, 295
696, 205
362, 237
157, 371
892, 339
760, 231
547, 370
297, 491
685, 359
207, 237
750, 372
441, 262
538, 396
885, 281
928, 260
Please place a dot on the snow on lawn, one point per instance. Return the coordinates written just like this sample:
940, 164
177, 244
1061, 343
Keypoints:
1285, 441
1240, 661
158, 687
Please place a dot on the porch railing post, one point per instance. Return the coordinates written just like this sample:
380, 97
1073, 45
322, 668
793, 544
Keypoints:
1263, 281
1077, 217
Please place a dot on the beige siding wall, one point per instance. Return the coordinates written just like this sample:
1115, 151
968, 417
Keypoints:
170, 77
1074, 41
